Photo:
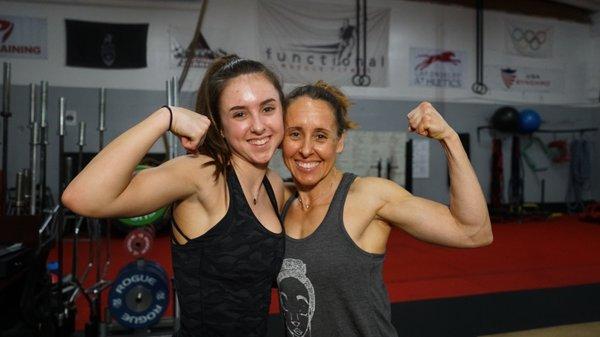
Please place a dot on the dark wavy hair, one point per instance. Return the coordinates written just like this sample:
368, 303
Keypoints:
324, 91
214, 82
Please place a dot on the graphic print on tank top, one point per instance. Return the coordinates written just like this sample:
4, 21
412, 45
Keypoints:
298, 300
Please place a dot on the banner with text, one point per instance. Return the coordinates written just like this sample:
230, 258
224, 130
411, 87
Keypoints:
23, 37
437, 68
308, 41
522, 79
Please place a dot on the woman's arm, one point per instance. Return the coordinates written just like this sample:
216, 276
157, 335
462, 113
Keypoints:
466, 222
106, 186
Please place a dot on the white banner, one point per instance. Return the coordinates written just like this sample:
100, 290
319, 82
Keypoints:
437, 68
374, 154
420, 158
522, 79
23, 37
308, 41
528, 39
179, 40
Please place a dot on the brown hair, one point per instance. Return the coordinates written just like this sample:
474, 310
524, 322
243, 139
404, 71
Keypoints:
215, 79
321, 90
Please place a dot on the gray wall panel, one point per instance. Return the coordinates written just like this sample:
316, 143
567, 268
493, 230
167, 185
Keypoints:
126, 107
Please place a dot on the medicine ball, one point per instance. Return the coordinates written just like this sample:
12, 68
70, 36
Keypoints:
153, 218
506, 119
529, 121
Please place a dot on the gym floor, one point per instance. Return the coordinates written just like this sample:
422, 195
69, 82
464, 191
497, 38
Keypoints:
537, 274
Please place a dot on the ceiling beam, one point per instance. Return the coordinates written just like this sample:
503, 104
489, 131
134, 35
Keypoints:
541, 8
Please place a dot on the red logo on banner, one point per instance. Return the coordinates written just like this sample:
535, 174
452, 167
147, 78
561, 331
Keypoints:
6, 27
445, 57
508, 77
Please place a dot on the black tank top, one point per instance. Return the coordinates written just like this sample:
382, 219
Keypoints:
224, 277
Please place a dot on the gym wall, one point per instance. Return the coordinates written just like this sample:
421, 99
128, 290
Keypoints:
232, 26
127, 107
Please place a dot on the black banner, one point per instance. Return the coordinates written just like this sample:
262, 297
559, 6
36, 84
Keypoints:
106, 45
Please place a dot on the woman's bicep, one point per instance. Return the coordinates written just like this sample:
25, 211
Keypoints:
150, 190
147, 191
424, 219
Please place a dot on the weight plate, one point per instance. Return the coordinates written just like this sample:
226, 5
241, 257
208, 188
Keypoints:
139, 242
139, 296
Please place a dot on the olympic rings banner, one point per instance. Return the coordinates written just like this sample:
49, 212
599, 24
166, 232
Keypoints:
529, 39
308, 41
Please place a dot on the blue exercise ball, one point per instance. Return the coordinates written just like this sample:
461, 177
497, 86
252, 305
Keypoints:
529, 121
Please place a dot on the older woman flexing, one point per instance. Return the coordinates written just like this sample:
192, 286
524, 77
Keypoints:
338, 224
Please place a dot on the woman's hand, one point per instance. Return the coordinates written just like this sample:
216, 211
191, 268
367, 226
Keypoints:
191, 128
426, 121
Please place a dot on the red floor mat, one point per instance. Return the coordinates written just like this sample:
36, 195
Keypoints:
554, 253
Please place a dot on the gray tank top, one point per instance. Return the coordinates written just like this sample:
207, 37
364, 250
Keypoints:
328, 286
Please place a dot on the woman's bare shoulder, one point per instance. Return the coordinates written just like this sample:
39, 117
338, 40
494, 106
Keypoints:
376, 187
278, 186
195, 168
